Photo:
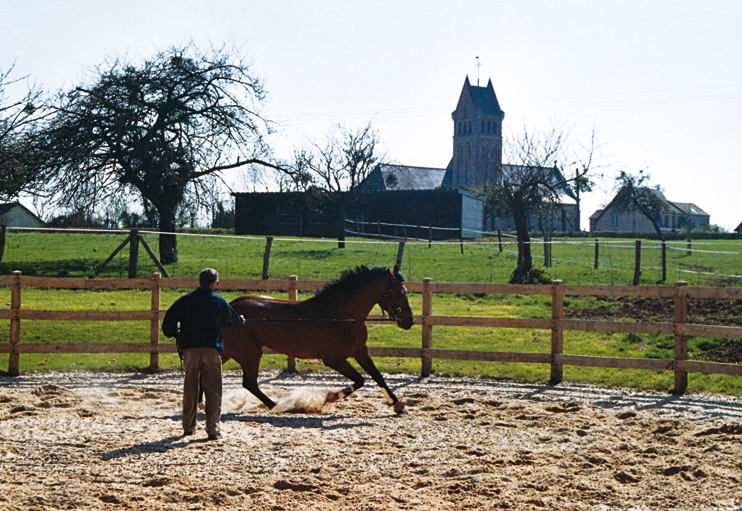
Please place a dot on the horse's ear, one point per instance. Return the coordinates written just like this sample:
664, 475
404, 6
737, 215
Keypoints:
397, 274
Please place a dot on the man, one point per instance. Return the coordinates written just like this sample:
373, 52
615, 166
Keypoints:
195, 320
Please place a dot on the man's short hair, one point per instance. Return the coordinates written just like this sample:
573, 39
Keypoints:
208, 277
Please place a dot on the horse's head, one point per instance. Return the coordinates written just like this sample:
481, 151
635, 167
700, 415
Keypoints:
394, 301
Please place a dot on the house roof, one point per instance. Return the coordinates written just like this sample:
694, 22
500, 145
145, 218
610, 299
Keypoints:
7, 206
739, 228
403, 177
689, 208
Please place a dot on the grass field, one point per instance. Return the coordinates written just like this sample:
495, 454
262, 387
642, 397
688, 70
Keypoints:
77, 255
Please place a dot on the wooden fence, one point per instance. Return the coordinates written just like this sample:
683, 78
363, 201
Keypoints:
680, 293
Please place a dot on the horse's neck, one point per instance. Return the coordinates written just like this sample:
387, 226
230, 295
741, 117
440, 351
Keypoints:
362, 301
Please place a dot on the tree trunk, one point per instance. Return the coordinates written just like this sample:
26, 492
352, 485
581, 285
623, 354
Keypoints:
341, 225
657, 228
2, 241
168, 242
525, 261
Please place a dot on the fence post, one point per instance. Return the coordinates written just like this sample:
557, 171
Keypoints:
427, 329
14, 365
400, 254
637, 262
154, 327
681, 341
499, 238
557, 334
461, 237
267, 256
291, 361
664, 261
430, 236
597, 253
134, 254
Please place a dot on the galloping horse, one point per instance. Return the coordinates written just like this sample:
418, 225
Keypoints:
330, 326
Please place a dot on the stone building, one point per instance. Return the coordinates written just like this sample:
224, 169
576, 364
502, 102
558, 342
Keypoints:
675, 218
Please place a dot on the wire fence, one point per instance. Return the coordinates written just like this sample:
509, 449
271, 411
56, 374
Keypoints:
490, 257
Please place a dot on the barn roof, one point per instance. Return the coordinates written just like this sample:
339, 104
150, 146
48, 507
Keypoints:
403, 177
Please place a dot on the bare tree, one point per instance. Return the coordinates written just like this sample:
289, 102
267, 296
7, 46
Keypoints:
18, 118
164, 129
332, 171
534, 182
635, 194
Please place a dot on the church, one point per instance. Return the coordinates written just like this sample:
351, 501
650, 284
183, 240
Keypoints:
417, 198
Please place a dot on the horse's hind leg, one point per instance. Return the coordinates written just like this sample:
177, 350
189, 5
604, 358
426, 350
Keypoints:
364, 359
250, 363
343, 367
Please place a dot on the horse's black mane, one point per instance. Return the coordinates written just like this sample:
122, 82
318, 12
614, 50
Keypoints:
350, 280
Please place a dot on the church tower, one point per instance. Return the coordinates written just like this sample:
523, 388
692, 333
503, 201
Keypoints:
477, 138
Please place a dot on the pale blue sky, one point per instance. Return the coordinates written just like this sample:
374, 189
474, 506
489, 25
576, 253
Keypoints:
660, 81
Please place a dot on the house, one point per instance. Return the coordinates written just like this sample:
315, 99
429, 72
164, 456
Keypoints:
675, 218
738, 229
14, 214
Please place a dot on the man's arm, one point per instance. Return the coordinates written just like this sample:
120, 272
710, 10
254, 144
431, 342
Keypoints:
230, 318
170, 322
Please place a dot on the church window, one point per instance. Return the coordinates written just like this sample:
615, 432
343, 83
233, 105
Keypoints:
469, 127
482, 126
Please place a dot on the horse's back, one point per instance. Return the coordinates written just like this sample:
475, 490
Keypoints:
294, 328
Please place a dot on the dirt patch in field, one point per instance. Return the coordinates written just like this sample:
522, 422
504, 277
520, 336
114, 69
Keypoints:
93, 441
704, 312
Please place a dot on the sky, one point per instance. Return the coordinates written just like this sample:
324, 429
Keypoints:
659, 83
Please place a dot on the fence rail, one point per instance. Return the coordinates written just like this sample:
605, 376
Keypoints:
557, 324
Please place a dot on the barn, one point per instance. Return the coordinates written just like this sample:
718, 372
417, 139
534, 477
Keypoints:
385, 214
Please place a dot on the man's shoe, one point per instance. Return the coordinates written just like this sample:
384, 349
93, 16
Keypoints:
216, 436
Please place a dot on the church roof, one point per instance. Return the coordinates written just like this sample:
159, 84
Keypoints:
403, 177
484, 98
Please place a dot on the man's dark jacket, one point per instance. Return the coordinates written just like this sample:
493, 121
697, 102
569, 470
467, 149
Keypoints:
201, 314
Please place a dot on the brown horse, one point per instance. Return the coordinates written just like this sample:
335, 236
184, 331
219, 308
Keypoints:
330, 326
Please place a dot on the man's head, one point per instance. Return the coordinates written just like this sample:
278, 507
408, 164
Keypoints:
208, 277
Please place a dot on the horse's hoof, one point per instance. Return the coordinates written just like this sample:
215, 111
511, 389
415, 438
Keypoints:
399, 407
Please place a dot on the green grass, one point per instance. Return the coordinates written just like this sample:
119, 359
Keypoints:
77, 255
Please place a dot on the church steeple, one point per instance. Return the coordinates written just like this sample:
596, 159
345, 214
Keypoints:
477, 138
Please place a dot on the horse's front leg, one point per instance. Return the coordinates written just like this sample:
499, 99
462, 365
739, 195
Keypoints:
364, 359
249, 360
343, 367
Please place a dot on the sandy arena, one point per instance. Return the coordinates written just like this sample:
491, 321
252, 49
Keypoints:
78, 440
